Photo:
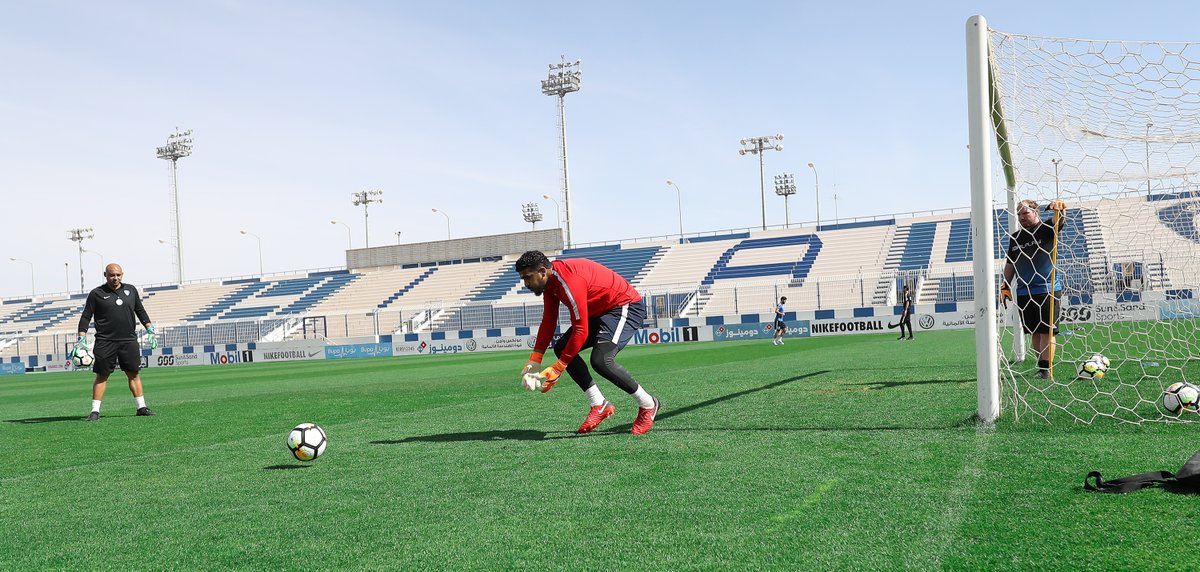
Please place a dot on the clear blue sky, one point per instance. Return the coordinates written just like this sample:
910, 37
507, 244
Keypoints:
297, 104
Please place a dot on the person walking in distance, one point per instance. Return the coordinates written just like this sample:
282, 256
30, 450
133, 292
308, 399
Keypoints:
906, 313
780, 326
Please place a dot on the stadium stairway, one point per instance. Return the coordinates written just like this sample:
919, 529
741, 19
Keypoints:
407, 287
891, 265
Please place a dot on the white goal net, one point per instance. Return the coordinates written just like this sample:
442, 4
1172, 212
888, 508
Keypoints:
1111, 128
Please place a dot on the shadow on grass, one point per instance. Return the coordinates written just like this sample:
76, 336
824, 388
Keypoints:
669, 412
891, 384
666, 413
498, 435
46, 419
285, 467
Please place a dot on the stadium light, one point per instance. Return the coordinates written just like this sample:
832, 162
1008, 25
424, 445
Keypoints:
349, 240
759, 146
67, 275
259, 239
785, 186
836, 217
529, 211
32, 286
565, 77
443, 213
365, 198
557, 209
817, 187
398, 233
179, 145
679, 204
78, 235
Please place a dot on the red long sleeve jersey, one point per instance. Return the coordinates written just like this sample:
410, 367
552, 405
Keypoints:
587, 289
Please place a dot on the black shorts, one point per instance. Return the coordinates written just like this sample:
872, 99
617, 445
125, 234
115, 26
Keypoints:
780, 326
1035, 312
616, 325
110, 354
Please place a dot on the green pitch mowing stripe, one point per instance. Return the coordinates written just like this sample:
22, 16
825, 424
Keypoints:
841, 453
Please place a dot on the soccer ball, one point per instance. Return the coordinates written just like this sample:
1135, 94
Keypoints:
1179, 396
82, 358
307, 441
1094, 367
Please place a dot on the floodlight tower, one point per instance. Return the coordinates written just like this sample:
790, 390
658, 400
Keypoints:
785, 186
365, 198
179, 145
78, 235
758, 146
529, 211
564, 78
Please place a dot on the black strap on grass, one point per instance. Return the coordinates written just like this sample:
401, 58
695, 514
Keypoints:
1126, 484
1187, 480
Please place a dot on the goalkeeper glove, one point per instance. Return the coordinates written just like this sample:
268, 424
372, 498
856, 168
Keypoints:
1005, 295
1057, 205
151, 337
80, 344
549, 376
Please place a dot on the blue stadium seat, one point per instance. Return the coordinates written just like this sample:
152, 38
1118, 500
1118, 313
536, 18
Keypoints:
1181, 218
627, 262
291, 287
336, 282
918, 247
212, 310
797, 269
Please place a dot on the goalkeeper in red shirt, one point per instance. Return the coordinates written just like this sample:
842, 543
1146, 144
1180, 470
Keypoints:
605, 311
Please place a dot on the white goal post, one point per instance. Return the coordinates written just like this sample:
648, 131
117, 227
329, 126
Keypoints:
1111, 128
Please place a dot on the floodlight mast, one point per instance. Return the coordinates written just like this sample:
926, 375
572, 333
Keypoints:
179, 145
785, 186
758, 146
529, 211
365, 198
565, 77
78, 235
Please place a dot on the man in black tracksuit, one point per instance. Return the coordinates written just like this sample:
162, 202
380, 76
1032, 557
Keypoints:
115, 306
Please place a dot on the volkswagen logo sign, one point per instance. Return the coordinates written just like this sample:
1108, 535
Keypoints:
926, 322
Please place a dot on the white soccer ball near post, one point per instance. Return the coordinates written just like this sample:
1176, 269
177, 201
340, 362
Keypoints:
1094, 367
1180, 396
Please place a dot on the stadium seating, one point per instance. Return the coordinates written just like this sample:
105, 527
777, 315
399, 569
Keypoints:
1105, 246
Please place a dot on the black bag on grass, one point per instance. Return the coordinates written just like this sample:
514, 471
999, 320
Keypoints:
1187, 480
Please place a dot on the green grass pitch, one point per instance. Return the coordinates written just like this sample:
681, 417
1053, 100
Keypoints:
845, 453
